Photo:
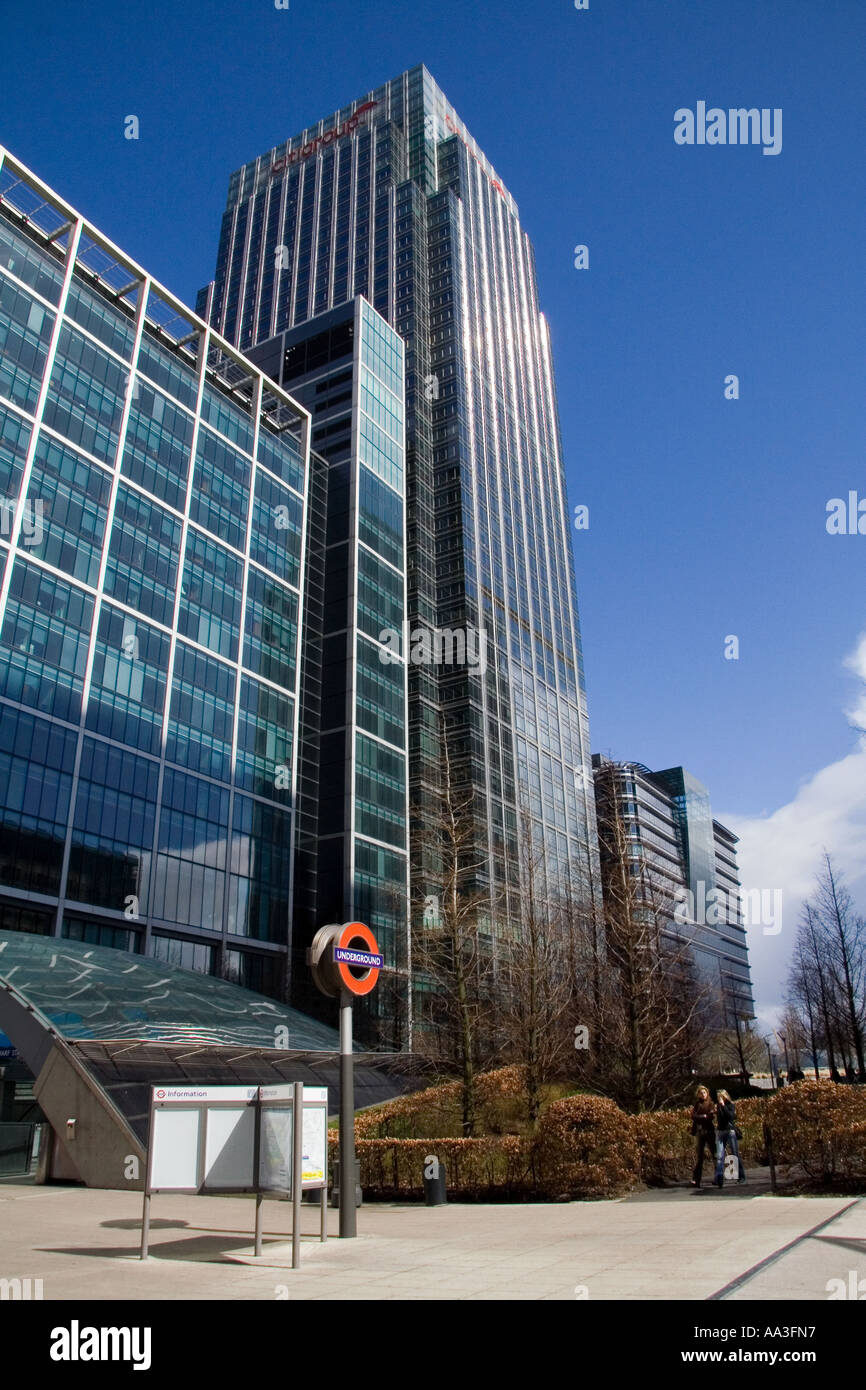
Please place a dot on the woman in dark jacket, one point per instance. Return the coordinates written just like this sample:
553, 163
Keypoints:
726, 1125
704, 1131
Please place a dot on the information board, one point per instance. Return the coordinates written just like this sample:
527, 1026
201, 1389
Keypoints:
175, 1142
275, 1149
221, 1139
203, 1138
230, 1138
277, 1137
315, 1171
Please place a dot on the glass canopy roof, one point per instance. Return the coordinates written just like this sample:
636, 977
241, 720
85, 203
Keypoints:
95, 992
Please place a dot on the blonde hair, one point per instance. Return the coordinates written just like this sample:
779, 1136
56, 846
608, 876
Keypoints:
701, 1093
723, 1095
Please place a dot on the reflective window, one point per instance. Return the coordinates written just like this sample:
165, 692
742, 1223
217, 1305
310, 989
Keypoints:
86, 396
380, 792
282, 456
36, 763
174, 376
220, 497
201, 713
127, 692
101, 934
210, 608
110, 325
380, 517
380, 596
73, 497
265, 732
157, 445
143, 556
25, 333
113, 827
271, 630
379, 698
228, 417
14, 439
35, 267
187, 955
188, 878
276, 530
260, 866
44, 642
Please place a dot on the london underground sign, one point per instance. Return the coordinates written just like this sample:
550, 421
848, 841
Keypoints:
345, 962
346, 959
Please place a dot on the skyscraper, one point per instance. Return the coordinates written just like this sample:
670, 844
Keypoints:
346, 367
684, 864
154, 499
391, 198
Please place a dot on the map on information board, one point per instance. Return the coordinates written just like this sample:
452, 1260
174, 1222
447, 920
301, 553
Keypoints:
275, 1149
315, 1171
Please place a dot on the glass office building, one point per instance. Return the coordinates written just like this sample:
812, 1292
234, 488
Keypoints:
686, 863
391, 198
154, 490
346, 367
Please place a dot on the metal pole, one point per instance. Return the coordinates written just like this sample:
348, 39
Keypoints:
145, 1224
324, 1206
148, 1179
258, 1223
257, 1169
297, 1168
348, 1223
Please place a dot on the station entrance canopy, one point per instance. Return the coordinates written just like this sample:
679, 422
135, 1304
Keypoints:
98, 1027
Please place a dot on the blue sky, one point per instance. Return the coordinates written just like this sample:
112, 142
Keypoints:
707, 516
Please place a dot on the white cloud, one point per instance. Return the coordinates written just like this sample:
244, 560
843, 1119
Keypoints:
856, 662
783, 850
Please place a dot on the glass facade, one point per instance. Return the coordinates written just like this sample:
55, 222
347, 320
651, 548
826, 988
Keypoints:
392, 199
691, 860
347, 367
154, 497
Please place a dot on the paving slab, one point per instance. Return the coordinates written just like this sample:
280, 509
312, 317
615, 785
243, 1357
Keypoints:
83, 1243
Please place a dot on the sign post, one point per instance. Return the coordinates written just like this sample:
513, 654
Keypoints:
348, 1215
297, 1170
345, 962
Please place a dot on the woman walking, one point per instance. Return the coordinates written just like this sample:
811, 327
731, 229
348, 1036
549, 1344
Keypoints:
727, 1135
704, 1131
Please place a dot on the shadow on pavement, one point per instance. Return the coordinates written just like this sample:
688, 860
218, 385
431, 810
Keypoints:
203, 1248
134, 1224
757, 1184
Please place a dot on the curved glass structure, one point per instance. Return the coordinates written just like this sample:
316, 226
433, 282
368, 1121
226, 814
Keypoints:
94, 992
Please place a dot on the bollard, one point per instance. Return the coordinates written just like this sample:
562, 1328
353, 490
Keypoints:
335, 1185
435, 1192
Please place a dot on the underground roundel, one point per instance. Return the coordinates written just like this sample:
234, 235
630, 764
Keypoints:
345, 958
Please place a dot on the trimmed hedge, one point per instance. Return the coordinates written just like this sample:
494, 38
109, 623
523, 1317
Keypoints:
497, 1169
665, 1146
819, 1127
436, 1112
586, 1147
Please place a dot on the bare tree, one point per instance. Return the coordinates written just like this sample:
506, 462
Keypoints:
737, 1045
656, 1012
815, 962
452, 941
802, 999
846, 936
537, 989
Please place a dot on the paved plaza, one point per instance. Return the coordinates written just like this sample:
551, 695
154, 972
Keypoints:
675, 1244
